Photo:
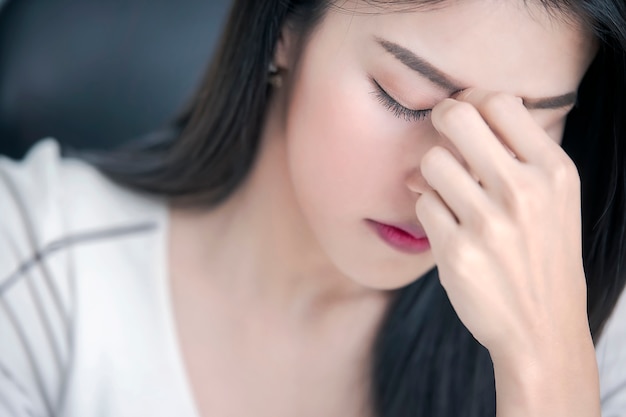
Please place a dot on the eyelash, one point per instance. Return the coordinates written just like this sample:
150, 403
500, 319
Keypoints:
396, 108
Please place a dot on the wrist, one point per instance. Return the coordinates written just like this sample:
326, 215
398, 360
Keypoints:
549, 382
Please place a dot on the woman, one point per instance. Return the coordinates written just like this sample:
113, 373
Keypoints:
274, 253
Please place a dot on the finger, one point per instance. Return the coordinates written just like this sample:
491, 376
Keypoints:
510, 120
436, 219
460, 192
463, 125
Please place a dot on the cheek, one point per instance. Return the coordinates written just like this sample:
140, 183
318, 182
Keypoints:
337, 152
345, 160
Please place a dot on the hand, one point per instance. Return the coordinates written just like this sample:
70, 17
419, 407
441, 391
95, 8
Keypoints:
506, 237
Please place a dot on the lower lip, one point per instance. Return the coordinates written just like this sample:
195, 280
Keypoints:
399, 239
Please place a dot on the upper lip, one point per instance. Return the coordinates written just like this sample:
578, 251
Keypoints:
411, 228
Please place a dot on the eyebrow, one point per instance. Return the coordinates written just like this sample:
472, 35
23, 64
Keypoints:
440, 78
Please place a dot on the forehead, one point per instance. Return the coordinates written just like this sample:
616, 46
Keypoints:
494, 44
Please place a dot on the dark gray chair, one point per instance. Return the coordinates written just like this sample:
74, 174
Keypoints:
97, 73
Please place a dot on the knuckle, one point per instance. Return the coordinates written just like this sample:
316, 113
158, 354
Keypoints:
526, 196
520, 190
433, 155
459, 250
496, 101
490, 226
434, 159
502, 231
458, 114
559, 175
464, 255
564, 172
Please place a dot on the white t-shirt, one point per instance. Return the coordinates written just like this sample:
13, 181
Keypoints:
86, 325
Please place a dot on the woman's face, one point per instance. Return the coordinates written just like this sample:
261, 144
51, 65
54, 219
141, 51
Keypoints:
352, 152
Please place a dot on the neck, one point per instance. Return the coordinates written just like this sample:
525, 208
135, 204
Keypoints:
257, 245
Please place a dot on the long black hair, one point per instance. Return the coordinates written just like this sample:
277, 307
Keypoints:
425, 362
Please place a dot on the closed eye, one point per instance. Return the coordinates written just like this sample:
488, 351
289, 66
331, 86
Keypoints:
396, 108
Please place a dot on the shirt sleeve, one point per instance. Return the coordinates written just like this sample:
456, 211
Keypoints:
611, 355
35, 325
37, 299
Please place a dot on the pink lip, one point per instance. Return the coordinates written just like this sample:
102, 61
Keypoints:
405, 237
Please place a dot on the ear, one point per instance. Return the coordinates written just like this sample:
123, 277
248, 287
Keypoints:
283, 54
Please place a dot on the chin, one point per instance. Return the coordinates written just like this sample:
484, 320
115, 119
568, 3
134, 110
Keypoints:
391, 274
391, 282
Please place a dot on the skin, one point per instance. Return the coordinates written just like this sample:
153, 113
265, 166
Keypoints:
278, 293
